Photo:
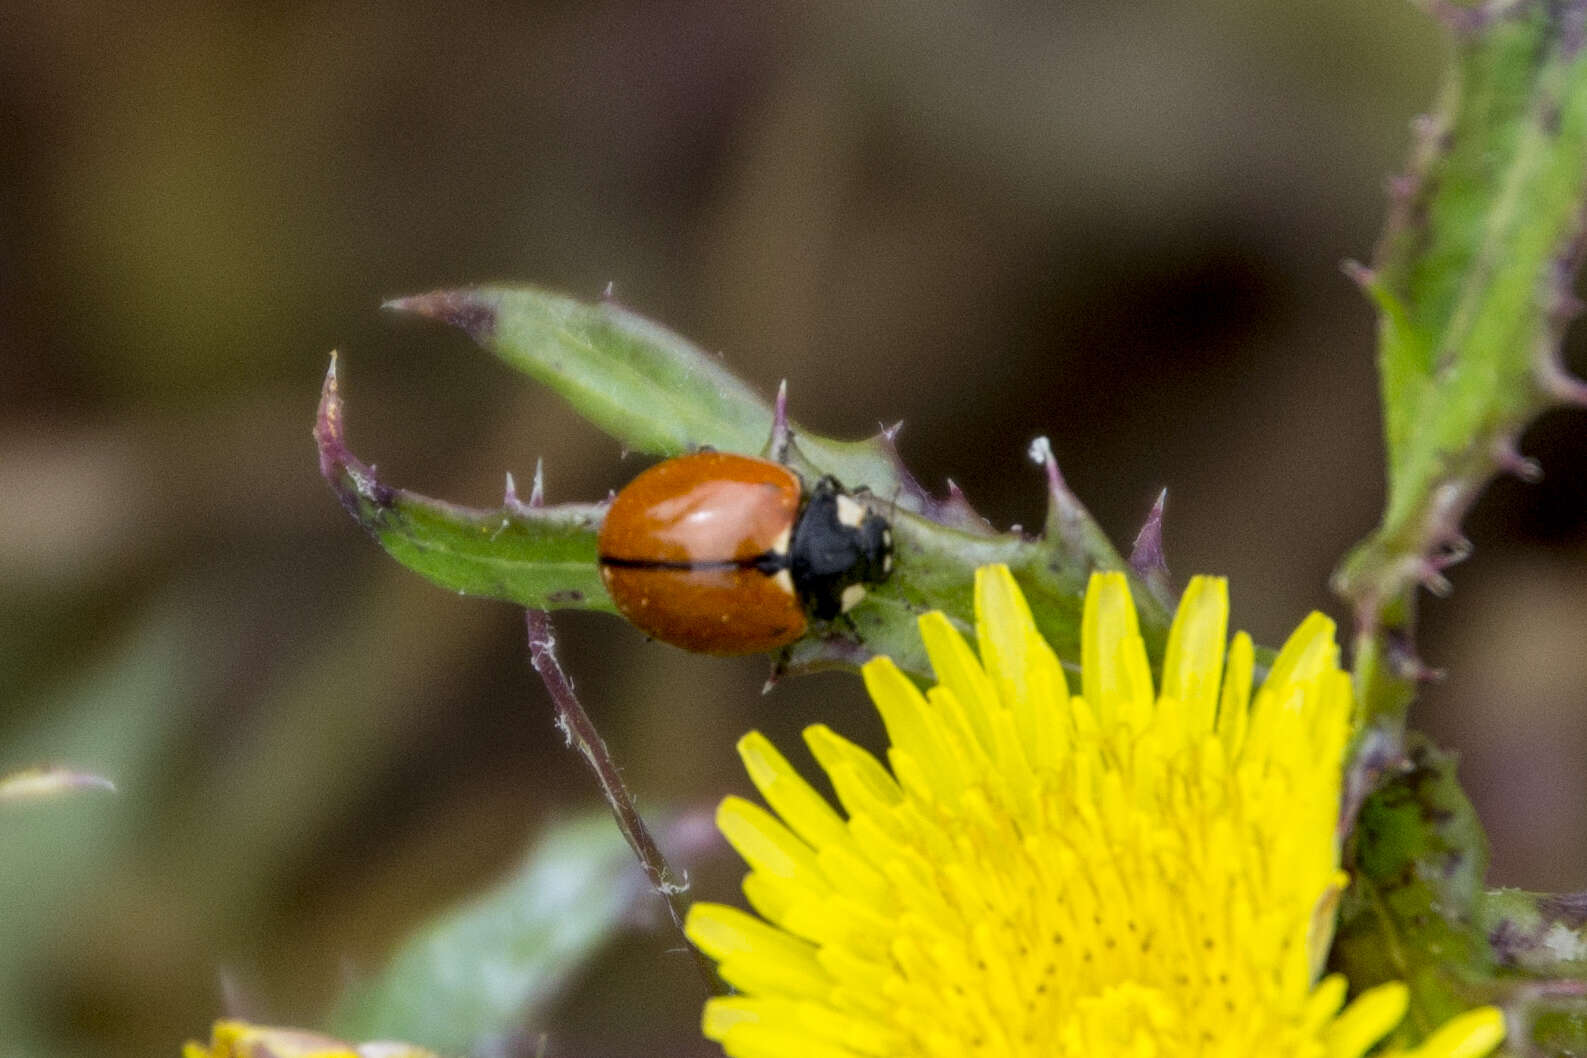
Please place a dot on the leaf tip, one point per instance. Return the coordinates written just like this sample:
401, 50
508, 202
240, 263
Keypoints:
780, 433
1359, 274
958, 507
537, 491
468, 310
1561, 386
351, 479
1063, 506
509, 496
1431, 577
328, 426
1146, 556
1042, 455
1509, 460
910, 491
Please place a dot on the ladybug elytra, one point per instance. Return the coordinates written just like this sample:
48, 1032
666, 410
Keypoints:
728, 554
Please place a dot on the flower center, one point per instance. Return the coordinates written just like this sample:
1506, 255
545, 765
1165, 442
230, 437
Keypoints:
1113, 905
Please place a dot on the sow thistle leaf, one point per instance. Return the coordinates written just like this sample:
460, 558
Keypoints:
545, 558
542, 557
486, 970
650, 388
1411, 912
1472, 280
657, 393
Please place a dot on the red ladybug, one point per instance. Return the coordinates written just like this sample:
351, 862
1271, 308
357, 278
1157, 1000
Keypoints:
726, 554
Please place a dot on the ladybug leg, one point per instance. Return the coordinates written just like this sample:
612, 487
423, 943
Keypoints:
779, 668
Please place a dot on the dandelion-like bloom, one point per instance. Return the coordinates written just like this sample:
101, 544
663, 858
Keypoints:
1118, 872
239, 1039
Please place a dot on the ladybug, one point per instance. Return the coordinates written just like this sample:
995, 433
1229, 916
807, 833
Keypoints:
727, 554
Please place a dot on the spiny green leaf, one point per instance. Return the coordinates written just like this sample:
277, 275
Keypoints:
1472, 284
1472, 279
1415, 912
542, 557
657, 392
646, 386
1419, 856
545, 557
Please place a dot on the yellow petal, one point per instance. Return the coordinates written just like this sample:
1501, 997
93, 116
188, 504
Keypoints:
911, 727
1469, 1035
1193, 664
724, 932
1234, 705
1325, 1001
804, 810
766, 845
1367, 1020
957, 670
861, 783
1115, 677
1310, 651
1020, 664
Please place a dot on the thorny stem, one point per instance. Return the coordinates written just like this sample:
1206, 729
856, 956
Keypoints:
1472, 281
581, 733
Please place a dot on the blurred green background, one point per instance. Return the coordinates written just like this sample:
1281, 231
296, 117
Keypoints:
1118, 224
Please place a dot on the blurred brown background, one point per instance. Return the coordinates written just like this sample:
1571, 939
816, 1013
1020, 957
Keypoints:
1118, 224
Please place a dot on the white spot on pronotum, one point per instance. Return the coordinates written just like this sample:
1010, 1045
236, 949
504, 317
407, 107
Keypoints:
784, 580
851, 596
887, 537
850, 513
779, 546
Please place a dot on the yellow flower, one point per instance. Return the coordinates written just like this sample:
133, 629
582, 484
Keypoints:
238, 1039
1113, 873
